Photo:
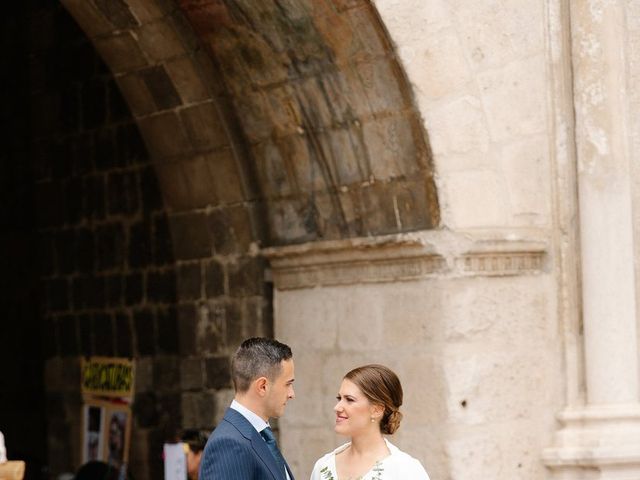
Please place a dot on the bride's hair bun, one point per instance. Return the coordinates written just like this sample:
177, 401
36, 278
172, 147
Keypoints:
382, 387
391, 422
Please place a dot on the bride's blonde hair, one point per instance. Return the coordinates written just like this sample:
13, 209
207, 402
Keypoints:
382, 387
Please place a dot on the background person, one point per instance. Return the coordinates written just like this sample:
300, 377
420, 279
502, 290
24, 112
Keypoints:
96, 470
194, 441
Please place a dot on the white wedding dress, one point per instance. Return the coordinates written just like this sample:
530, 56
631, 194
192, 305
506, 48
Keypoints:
397, 466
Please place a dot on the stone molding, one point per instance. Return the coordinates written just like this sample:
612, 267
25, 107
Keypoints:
605, 437
408, 256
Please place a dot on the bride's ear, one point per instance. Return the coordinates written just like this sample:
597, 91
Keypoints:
377, 411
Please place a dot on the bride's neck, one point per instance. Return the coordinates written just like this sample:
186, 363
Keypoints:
368, 443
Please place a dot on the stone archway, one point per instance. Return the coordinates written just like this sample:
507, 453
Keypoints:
303, 113
280, 161
266, 127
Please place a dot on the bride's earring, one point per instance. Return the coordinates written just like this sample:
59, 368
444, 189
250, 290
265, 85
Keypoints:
373, 419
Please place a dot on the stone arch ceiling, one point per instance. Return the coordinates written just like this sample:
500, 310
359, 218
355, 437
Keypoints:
295, 113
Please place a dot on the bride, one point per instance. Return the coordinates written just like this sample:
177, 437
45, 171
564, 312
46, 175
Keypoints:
368, 407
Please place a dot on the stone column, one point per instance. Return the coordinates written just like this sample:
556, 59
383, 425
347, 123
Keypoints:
603, 436
605, 204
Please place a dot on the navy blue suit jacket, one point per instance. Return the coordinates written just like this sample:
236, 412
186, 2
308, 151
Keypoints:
236, 451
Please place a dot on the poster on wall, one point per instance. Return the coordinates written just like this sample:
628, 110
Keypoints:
107, 389
107, 377
92, 433
117, 435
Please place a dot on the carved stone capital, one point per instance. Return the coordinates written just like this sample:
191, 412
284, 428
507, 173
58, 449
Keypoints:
408, 257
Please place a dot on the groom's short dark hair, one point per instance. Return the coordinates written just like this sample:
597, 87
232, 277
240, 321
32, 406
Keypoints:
257, 357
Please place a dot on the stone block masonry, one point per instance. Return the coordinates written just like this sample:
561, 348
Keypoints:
122, 272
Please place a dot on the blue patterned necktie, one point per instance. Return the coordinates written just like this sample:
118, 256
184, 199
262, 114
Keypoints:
267, 434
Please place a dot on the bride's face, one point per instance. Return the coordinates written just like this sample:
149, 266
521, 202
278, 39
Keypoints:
354, 411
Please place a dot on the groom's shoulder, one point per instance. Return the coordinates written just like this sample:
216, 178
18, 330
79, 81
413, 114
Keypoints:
233, 425
226, 437
225, 428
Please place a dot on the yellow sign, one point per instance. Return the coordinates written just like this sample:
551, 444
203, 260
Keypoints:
111, 377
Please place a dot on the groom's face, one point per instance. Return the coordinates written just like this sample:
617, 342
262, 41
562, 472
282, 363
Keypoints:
280, 390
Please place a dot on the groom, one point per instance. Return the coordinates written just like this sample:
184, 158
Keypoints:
242, 447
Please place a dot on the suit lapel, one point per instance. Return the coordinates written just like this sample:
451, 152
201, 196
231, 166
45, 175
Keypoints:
257, 442
288, 469
261, 449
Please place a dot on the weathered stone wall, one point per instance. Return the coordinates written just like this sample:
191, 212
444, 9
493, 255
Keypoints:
475, 345
318, 128
22, 417
326, 112
303, 160
480, 76
269, 126
107, 265
286, 121
532, 117
124, 269
467, 322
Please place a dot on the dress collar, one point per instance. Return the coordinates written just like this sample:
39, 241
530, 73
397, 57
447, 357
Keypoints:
392, 448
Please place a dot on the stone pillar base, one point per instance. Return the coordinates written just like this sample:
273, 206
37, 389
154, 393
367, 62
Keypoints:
597, 443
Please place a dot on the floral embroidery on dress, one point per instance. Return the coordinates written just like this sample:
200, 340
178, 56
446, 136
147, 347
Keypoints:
378, 470
326, 473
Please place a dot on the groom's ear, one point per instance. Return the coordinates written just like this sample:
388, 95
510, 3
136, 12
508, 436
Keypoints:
260, 386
